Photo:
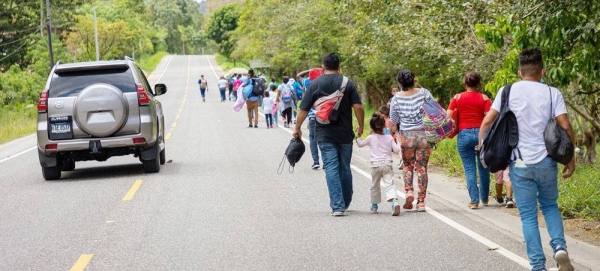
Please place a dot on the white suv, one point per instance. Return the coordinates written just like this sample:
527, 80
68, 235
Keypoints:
95, 110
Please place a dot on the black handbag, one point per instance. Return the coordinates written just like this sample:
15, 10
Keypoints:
557, 140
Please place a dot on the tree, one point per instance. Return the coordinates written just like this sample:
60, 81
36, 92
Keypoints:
221, 25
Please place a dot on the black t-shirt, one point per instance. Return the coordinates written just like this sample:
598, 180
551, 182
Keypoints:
340, 132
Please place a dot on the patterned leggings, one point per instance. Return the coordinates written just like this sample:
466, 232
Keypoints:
415, 155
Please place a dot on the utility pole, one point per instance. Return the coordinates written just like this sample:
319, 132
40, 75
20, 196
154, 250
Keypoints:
96, 36
48, 26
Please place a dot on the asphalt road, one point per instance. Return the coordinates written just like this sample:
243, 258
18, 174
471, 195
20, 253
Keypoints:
219, 204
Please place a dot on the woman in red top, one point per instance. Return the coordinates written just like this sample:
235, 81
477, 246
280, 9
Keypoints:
471, 106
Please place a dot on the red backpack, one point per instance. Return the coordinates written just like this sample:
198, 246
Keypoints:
326, 107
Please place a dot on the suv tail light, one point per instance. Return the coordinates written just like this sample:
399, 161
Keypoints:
42, 105
143, 98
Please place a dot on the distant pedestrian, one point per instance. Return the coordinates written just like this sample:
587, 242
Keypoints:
334, 139
203, 84
252, 101
534, 173
230, 82
286, 100
503, 179
268, 109
222, 83
236, 85
382, 173
407, 111
471, 106
275, 97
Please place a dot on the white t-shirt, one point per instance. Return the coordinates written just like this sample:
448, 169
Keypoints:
222, 83
268, 105
530, 101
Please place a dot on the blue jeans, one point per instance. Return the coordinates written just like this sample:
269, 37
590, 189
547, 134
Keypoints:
202, 92
467, 140
314, 150
533, 184
336, 161
222, 90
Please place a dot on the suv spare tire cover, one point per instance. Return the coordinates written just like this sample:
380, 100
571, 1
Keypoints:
101, 110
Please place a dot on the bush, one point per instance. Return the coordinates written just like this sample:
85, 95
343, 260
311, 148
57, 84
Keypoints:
148, 64
446, 155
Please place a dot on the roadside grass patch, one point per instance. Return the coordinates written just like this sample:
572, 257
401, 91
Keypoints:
17, 122
367, 129
226, 63
580, 194
445, 155
148, 64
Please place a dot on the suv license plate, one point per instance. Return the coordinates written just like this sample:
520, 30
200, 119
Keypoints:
60, 128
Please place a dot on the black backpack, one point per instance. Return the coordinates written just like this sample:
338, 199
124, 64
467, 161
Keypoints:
258, 86
496, 150
293, 153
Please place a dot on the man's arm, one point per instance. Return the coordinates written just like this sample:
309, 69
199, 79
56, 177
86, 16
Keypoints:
563, 121
299, 120
359, 111
487, 122
302, 74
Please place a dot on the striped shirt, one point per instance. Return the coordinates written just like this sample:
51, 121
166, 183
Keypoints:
408, 111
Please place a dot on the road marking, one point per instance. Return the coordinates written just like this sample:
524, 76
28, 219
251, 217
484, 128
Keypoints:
177, 117
164, 70
211, 66
82, 262
168, 136
174, 124
486, 242
132, 190
18, 154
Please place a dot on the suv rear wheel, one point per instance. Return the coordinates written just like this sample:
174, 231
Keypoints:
153, 165
51, 173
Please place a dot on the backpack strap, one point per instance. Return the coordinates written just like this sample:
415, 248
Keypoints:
342, 89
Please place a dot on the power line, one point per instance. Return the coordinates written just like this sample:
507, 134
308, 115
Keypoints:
15, 51
21, 30
15, 41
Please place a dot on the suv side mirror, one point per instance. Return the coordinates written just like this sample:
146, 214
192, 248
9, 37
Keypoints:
160, 89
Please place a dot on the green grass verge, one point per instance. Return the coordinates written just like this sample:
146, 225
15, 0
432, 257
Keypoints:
367, 129
226, 63
579, 195
17, 122
148, 64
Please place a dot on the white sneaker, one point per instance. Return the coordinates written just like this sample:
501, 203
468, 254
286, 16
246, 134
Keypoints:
395, 208
562, 260
337, 213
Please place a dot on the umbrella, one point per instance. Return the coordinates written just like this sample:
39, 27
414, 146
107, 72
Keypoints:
236, 70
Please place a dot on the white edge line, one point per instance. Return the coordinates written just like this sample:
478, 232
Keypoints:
486, 242
164, 70
211, 66
18, 154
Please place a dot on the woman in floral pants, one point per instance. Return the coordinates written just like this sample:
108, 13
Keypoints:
406, 110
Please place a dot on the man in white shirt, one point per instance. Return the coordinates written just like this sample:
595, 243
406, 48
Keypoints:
535, 176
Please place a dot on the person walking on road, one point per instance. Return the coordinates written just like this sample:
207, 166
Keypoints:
222, 83
406, 110
503, 179
334, 139
471, 107
287, 100
382, 173
268, 109
252, 101
534, 174
203, 87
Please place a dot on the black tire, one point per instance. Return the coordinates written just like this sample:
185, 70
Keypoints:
153, 165
163, 157
68, 165
51, 173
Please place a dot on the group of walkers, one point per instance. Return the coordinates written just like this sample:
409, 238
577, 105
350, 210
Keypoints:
532, 174
398, 127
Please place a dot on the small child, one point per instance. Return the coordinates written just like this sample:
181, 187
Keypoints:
267, 105
275, 107
502, 177
395, 88
385, 111
382, 174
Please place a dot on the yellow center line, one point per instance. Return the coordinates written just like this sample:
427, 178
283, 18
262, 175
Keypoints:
132, 190
178, 115
82, 262
174, 124
168, 136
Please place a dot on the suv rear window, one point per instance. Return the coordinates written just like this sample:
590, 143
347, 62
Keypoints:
66, 84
